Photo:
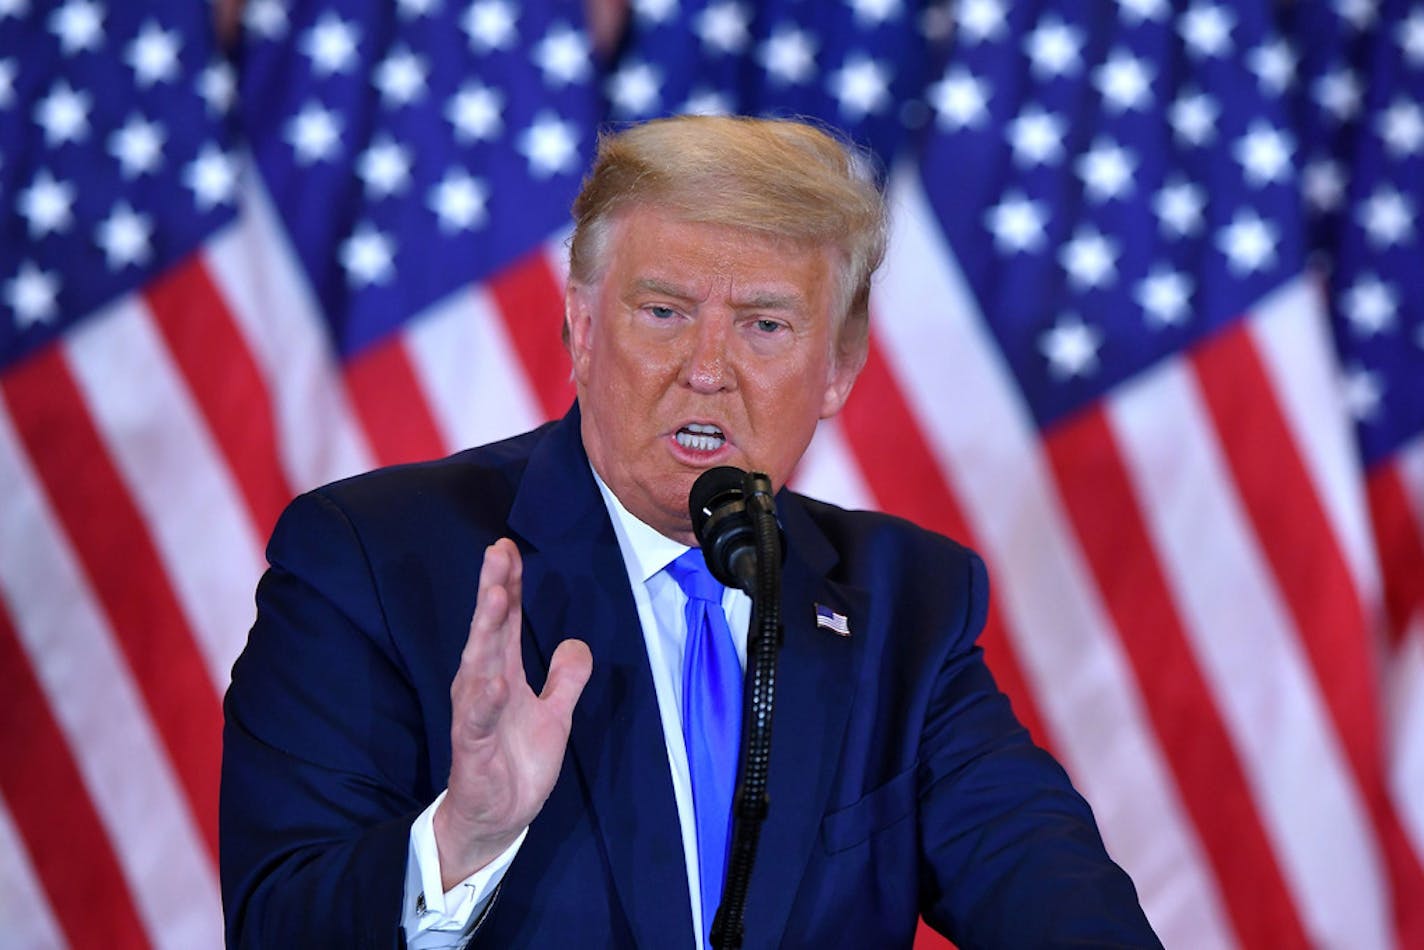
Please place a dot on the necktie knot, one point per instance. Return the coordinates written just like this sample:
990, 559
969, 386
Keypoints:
693, 576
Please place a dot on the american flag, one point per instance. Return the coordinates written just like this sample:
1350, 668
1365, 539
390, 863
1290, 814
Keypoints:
1150, 336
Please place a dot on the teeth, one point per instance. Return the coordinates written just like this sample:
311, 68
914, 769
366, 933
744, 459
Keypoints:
700, 438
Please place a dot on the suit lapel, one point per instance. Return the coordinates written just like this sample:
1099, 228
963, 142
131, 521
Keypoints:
575, 585
816, 674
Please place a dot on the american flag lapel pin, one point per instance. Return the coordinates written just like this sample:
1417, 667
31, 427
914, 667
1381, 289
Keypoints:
828, 619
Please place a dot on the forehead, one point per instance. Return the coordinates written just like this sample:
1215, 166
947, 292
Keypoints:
654, 244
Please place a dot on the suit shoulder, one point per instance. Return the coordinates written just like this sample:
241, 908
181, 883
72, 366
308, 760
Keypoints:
857, 534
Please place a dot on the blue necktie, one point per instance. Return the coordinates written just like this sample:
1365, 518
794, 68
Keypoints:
711, 720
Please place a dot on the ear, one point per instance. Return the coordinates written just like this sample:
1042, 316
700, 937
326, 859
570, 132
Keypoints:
844, 371
578, 326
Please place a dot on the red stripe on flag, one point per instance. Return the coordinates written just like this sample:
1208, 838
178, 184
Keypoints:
906, 480
63, 835
1099, 498
225, 383
531, 303
1400, 547
391, 405
1310, 569
124, 568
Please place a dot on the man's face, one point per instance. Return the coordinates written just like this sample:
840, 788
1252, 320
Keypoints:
702, 345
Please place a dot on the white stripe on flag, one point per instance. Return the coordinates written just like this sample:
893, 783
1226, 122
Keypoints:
172, 469
469, 372
970, 412
1291, 331
253, 265
97, 706
1249, 650
829, 470
26, 918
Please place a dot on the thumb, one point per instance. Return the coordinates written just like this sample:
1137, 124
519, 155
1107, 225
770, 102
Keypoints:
569, 670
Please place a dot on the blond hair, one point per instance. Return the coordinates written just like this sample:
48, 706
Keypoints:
776, 177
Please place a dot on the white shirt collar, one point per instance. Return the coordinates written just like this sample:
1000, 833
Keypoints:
645, 550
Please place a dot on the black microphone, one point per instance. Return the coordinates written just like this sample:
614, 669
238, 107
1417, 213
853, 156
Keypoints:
723, 523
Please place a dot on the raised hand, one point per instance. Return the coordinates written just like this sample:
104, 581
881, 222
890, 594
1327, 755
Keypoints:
506, 744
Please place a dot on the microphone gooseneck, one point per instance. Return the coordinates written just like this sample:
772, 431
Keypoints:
734, 517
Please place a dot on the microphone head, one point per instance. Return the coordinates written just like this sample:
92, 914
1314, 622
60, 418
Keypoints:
717, 504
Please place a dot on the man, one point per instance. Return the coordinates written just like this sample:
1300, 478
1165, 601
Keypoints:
389, 771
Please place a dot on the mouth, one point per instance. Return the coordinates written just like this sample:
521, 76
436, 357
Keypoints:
700, 437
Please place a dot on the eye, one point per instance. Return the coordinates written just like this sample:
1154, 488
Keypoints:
659, 312
767, 325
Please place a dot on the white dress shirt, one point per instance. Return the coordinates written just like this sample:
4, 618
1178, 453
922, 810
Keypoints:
433, 919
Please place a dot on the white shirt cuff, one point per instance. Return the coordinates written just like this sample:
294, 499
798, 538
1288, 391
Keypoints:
433, 918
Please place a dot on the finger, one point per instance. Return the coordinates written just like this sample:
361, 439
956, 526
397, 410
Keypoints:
486, 641
569, 670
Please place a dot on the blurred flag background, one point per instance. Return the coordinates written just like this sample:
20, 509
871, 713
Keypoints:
1150, 336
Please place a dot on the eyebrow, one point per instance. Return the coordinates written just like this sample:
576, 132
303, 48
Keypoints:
761, 300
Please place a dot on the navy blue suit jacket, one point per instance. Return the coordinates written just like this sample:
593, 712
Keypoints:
900, 783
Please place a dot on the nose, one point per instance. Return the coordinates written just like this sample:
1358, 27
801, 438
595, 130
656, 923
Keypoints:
706, 366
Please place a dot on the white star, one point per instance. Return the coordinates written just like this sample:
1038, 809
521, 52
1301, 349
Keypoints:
475, 112
1206, 29
31, 295
550, 145
14, 8
654, 11
704, 101
789, 56
1274, 65
981, 20
1370, 305
1387, 217
64, 115
265, 18
1193, 117
723, 27
8, 70
1264, 154
1179, 206
1125, 82
314, 134
1036, 137
874, 12
212, 177
415, 9
459, 201
400, 78
1249, 243
562, 55
368, 257
1164, 296
1071, 348
1410, 37
960, 100
47, 205
1017, 224
490, 25
218, 87
1362, 392
1402, 128
79, 24
124, 237
1338, 93
384, 168
1138, 11
153, 55
861, 86
138, 146
1358, 13
1054, 49
1323, 183
1106, 170
1090, 259
331, 45
634, 90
